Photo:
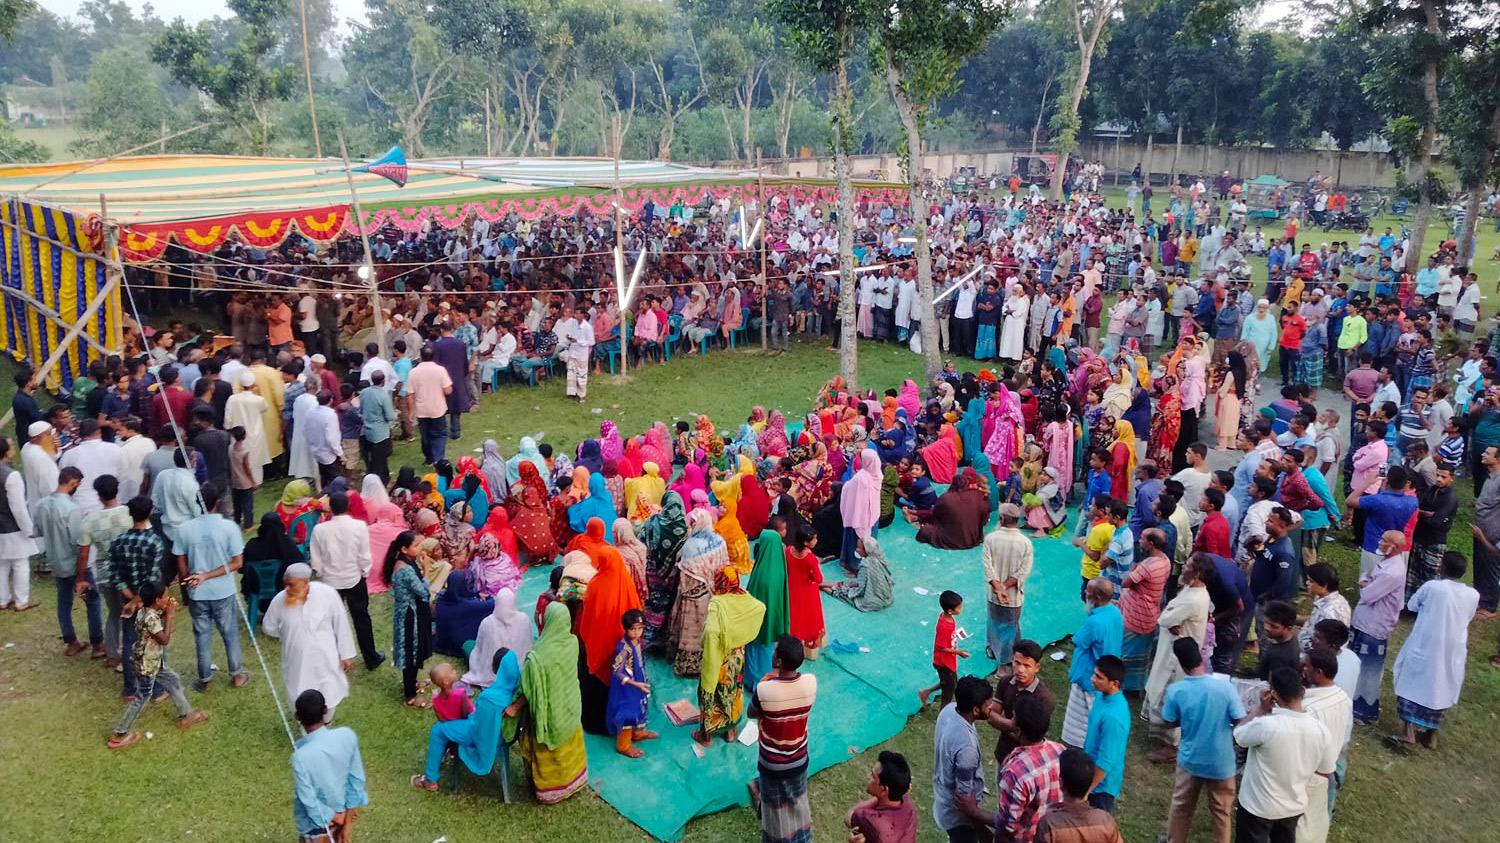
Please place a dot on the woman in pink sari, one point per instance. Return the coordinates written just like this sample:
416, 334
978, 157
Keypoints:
910, 399
772, 441
1001, 447
1057, 441
387, 522
658, 447
690, 481
610, 446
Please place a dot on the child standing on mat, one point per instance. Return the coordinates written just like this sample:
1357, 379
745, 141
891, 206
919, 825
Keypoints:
944, 655
625, 717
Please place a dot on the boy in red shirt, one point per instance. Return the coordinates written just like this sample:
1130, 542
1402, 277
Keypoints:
944, 655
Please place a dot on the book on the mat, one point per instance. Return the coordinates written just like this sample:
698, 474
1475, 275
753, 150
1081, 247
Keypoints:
682, 712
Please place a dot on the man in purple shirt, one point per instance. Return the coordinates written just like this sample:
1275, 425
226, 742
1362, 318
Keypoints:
1389, 509
1380, 598
450, 352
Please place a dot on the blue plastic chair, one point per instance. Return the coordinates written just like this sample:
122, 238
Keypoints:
267, 588
306, 521
742, 329
674, 334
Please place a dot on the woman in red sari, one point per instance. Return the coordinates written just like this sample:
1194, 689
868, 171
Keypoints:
812, 482
530, 516
1166, 425
942, 455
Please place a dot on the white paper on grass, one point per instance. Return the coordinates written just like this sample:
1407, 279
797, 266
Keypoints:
920, 590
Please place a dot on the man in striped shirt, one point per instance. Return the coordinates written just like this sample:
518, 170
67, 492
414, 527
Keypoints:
1029, 775
782, 702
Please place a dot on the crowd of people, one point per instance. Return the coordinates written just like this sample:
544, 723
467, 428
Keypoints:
700, 548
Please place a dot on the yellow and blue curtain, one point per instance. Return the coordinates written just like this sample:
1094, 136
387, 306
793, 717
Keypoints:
53, 256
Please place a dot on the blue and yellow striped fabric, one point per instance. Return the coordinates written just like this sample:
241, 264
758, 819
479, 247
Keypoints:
50, 256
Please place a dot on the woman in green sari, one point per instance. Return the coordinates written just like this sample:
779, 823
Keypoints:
553, 737
767, 584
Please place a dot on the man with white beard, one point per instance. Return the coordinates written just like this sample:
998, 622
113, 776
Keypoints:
317, 647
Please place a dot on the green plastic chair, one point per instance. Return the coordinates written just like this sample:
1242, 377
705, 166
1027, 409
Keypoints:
304, 524
267, 588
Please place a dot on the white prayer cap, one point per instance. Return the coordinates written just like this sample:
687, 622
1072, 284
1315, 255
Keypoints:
298, 571
247, 379
319, 359
37, 429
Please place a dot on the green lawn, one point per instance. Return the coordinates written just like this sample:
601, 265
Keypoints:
227, 780
55, 138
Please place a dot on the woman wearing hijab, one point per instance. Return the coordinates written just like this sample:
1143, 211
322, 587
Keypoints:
611, 447
1122, 458
477, 737
910, 398
873, 588
657, 447
860, 506
457, 536
958, 519
271, 544
589, 456
1057, 442
703, 555
754, 509
633, 554
734, 619
767, 584
1228, 400
970, 432
1001, 445
411, 624
492, 466
527, 453
531, 518
615, 485
644, 492
498, 525
896, 441
296, 498
471, 492
773, 441
812, 481
1261, 331
505, 628
1047, 507
552, 739
663, 534
387, 522
745, 442
495, 569
598, 505
458, 612
610, 594
690, 481
941, 457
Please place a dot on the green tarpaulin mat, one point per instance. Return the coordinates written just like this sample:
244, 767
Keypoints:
864, 698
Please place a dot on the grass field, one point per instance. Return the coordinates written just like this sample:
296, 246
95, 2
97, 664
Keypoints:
55, 138
227, 780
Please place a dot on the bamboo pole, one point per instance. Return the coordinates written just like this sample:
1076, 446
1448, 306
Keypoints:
760, 200
97, 161
614, 128
312, 107
364, 239
115, 265
489, 143
51, 315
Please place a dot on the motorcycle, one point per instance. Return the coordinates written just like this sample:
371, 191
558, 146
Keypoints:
1347, 221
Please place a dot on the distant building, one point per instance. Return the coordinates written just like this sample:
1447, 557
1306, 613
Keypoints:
30, 103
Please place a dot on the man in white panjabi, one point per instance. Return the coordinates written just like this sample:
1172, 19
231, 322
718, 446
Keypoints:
317, 646
16, 544
578, 335
246, 409
301, 462
1185, 616
1429, 671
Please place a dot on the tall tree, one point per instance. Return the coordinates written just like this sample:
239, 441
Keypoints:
825, 34
1431, 35
229, 62
1471, 123
1015, 80
1091, 20
921, 44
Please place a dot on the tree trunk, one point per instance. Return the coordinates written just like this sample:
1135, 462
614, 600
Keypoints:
1473, 206
932, 359
843, 106
1041, 111
1086, 47
1425, 143
1146, 165
1176, 153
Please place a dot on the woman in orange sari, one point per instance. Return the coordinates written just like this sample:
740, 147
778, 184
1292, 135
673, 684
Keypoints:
1166, 425
942, 455
611, 593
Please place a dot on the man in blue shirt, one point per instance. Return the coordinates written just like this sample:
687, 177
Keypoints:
1206, 709
1389, 509
1108, 732
1147, 489
209, 549
328, 776
1119, 557
1102, 634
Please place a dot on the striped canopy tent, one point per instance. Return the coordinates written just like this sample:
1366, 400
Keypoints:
65, 224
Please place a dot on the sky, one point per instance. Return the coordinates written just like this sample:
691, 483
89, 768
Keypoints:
194, 10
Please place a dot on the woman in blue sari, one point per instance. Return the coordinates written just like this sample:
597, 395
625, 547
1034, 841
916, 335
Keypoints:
896, 441
458, 612
599, 504
479, 736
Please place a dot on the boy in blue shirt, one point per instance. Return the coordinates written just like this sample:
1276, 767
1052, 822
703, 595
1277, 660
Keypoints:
1098, 483
1108, 732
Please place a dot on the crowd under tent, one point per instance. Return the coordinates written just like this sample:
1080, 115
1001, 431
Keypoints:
70, 228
